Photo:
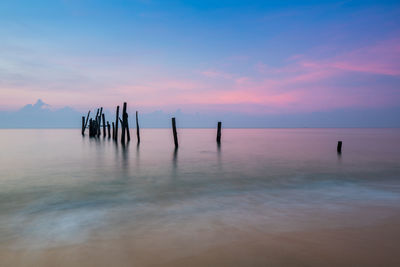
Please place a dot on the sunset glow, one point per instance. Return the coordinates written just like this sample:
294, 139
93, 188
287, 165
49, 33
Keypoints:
257, 58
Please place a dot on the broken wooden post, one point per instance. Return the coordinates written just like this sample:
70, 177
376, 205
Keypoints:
108, 129
83, 125
219, 133
104, 125
116, 124
137, 128
123, 123
174, 132
339, 147
113, 131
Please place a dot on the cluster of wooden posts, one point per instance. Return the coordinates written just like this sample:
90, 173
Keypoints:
94, 125
97, 123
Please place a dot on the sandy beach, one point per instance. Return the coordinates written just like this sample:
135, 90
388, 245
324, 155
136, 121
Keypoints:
373, 245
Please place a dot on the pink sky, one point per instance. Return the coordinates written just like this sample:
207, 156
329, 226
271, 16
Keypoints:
330, 75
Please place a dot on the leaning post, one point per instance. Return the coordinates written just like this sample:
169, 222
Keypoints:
86, 123
137, 128
174, 132
83, 125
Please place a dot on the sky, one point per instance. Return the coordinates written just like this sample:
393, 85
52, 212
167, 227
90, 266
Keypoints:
253, 58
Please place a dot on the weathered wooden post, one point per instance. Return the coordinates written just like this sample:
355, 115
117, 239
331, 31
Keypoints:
116, 124
99, 122
83, 125
123, 123
86, 123
137, 128
128, 134
90, 128
113, 131
339, 147
104, 125
108, 129
94, 126
219, 133
174, 132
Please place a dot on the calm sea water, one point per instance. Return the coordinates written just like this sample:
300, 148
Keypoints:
58, 188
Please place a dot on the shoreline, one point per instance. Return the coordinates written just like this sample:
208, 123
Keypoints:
372, 245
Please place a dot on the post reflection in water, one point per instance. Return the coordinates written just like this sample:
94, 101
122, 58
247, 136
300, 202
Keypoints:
219, 161
125, 154
175, 160
137, 157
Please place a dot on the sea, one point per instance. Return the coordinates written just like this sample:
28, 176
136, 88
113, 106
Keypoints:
59, 188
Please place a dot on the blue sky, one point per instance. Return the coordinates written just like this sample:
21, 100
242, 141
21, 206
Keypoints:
251, 57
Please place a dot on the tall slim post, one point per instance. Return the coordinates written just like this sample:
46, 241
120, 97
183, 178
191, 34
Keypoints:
219, 133
116, 124
113, 131
99, 122
128, 134
174, 132
123, 123
104, 125
86, 123
137, 128
83, 125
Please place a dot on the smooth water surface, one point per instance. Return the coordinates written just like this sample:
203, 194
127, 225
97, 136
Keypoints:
59, 188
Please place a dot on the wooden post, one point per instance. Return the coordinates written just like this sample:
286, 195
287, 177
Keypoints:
108, 129
174, 132
83, 125
99, 122
339, 147
86, 123
219, 133
123, 123
128, 134
113, 131
137, 128
95, 128
104, 125
116, 124
90, 128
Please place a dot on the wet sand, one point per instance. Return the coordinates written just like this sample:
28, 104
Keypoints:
372, 245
